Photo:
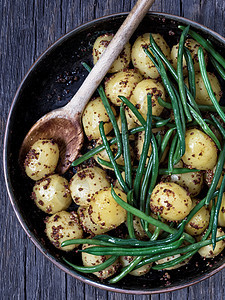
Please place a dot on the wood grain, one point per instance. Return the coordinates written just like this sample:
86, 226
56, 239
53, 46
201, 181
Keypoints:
27, 28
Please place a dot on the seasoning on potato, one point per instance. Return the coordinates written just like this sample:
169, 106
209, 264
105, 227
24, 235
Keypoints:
42, 159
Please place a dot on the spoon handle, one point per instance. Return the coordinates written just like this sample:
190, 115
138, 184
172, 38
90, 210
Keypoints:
90, 84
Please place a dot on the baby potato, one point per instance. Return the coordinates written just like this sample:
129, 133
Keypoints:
202, 96
130, 120
192, 182
139, 97
170, 258
126, 260
52, 194
121, 84
85, 183
87, 224
199, 222
141, 61
221, 216
201, 151
93, 114
122, 61
103, 154
42, 159
105, 211
138, 229
193, 46
208, 251
90, 260
139, 145
63, 226
171, 201
209, 174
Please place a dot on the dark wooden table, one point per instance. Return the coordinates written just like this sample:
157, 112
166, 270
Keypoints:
27, 28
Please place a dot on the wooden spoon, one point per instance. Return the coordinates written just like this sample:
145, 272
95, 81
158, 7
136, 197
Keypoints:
64, 124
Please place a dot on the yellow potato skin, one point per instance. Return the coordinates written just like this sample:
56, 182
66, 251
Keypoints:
93, 114
199, 222
141, 61
201, 151
122, 61
105, 211
193, 47
42, 159
63, 226
52, 194
171, 201
90, 260
139, 97
202, 96
121, 84
85, 183
208, 251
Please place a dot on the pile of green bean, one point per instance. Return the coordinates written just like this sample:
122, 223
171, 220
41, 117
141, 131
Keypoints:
140, 180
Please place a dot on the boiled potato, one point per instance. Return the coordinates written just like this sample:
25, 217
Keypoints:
171, 258
171, 201
131, 123
63, 226
42, 159
123, 60
105, 211
221, 216
121, 84
192, 182
209, 174
201, 151
199, 222
90, 260
141, 61
202, 96
193, 46
103, 154
126, 260
93, 114
139, 146
52, 194
87, 224
208, 251
139, 97
85, 183
138, 229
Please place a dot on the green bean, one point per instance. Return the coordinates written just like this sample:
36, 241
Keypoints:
173, 72
93, 269
191, 71
134, 110
211, 108
204, 126
173, 100
216, 176
177, 171
171, 154
101, 147
206, 45
218, 125
218, 67
182, 115
162, 123
145, 182
164, 103
149, 54
108, 164
146, 217
126, 148
165, 141
206, 235
130, 225
180, 73
217, 210
110, 114
208, 85
126, 270
134, 251
145, 149
84, 241
192, 247
111, 157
